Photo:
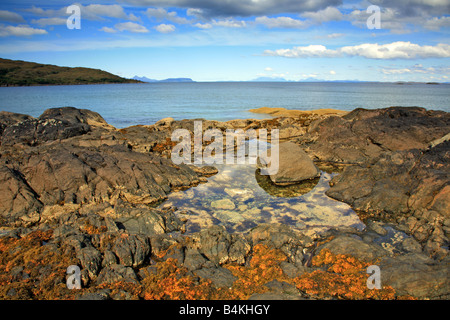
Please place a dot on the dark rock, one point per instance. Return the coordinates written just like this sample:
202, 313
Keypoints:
280, 237
194, 260
220, 277
90, 259
417, 275
362, 134
94, 296
132, 250
116, 272
214, 243
409, 187
346, 244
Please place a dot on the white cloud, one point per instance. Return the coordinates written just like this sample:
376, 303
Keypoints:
268, 69
163, 14
165, 28
20, 31
229, 23
131, 27
417, 68
203, 25
332, 72
436, 23
325, 15
108, 30
49, 21
89, 12
281, 22
395, 50
8, 16
303, 52
335, 35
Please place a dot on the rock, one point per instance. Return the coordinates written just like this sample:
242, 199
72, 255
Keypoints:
115, 273
404, 186
220, 277
193, 259
94, 296
91, 260
239, 194
362, 134
345, 244
132, 250
214, 243
225, 204
294, 165
280, 237
275, 296
411, 245
417, 275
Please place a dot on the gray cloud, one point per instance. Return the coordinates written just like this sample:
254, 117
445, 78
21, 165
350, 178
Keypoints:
243, 8
410, 8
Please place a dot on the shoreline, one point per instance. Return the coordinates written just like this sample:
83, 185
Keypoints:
283, 112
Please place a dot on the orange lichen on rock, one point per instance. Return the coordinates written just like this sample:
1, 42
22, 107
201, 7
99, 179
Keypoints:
40, 271
345, 277
264, 267
171, 282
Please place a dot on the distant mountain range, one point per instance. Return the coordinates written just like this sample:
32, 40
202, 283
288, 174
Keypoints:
269, 79
147, 80
22, 73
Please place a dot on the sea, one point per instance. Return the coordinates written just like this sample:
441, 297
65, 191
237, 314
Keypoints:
124, 105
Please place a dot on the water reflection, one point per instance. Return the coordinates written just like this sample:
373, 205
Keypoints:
240, 199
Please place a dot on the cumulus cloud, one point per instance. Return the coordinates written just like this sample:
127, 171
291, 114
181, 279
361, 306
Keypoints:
108, 30
281, 22
410, 8
165, 28
8, 16
325, 15
417, 68
163, 14
395, 50
227, 23
49, 21
20, 31
242, 8
89, 12
131, 27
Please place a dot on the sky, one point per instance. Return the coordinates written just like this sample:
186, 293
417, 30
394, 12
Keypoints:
235, 40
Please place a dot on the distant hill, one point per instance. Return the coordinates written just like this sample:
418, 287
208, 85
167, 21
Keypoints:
22, 73
145, 79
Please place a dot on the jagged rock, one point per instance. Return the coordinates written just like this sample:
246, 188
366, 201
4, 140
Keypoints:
132, 250
214, 243
280, 237
90, 259
404, 186
116, 272
347, 244
363, 134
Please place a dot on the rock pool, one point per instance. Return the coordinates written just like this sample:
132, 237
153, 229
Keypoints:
240, 199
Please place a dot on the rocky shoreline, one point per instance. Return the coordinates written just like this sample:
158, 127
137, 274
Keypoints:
77, 191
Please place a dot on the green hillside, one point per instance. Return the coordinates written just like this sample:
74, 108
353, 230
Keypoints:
22, 73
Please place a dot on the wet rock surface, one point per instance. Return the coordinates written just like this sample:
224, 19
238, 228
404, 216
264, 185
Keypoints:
75, 191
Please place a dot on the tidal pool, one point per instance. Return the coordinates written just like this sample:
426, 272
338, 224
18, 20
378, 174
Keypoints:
240, 199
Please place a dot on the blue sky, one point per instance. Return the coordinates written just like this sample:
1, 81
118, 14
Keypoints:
235, 40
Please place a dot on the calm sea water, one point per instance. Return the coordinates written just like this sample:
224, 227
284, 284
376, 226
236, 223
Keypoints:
123, 105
